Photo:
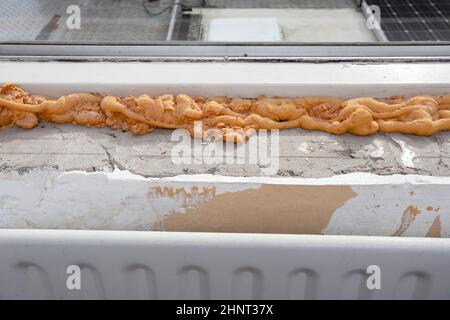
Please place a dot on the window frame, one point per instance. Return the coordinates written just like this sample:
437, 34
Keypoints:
182, 50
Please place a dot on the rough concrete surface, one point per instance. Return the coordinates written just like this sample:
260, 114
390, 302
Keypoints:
309, 154
73, 177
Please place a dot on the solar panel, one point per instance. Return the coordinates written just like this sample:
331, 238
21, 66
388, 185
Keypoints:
414, 20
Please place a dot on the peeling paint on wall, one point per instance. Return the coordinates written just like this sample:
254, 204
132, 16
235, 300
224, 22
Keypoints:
435, 229
400, 209
268, 209
351, 204
408, 217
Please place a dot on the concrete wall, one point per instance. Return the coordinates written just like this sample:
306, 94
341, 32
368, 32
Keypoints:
88, 178
355, 204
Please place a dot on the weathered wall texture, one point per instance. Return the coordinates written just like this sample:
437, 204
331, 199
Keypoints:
355, 204
308, 154
61, 176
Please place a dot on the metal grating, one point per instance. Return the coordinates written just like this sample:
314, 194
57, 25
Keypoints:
101, 20
120, 20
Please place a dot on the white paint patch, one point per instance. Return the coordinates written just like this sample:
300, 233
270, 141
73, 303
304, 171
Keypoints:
303, 147
116, 200
376, 150
378, 210
407, 155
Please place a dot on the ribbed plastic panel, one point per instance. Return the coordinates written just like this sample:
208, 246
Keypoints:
160, 265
